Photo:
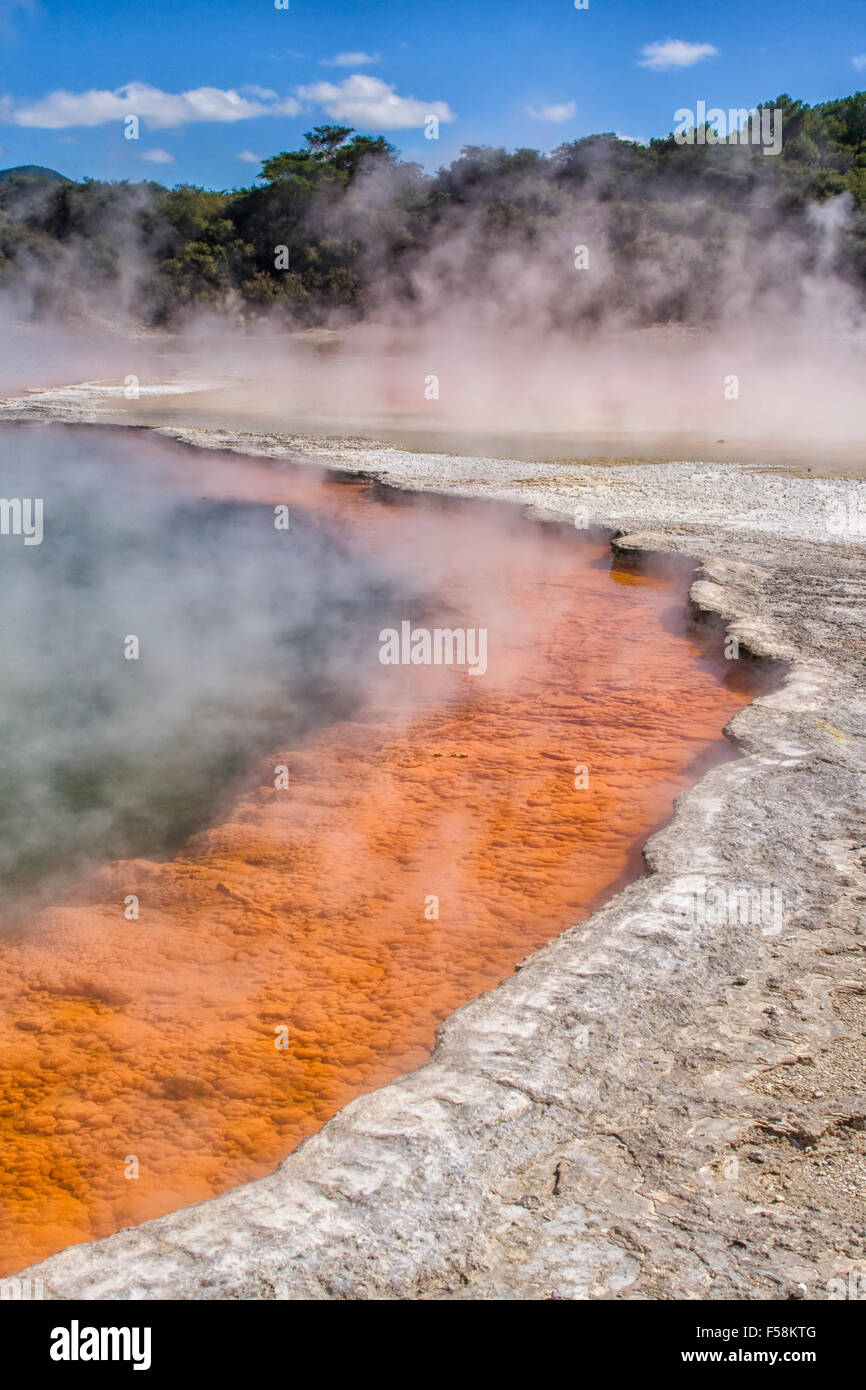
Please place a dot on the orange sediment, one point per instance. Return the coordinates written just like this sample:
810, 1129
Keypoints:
150, 1046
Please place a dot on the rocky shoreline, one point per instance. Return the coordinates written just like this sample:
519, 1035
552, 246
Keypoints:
659, 1104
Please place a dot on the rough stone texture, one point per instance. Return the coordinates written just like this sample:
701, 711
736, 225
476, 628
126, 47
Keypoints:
650, 1107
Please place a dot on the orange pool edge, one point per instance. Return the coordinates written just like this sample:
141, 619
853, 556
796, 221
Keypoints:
304, 949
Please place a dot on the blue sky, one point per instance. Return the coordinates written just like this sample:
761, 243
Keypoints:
219, 85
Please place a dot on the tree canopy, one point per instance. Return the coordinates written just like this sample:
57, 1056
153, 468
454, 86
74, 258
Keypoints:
343, 224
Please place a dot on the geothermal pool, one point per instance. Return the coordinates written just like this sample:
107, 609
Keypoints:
247, 871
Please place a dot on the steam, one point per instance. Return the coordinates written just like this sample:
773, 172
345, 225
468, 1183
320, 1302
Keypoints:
159, 644
244, 637
579, 295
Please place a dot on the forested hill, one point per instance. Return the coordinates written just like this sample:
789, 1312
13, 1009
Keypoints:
344, 227
32, 171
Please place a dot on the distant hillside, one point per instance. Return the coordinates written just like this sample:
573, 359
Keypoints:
683, 232
32, 171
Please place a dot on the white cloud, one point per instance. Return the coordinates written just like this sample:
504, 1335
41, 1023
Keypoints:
633, 139
860, 61
250, 89
247, 157
371, 103
157, 109
351, 60
675, 53
563, 111
158, 156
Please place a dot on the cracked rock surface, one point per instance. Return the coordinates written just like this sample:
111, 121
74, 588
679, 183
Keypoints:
667, 1101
